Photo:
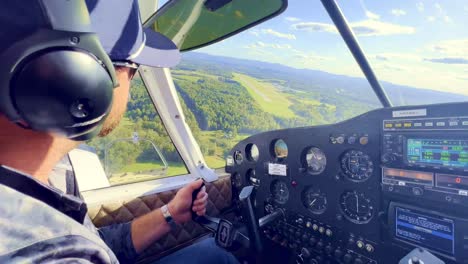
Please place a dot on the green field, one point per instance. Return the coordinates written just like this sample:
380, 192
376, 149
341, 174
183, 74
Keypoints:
213, 145
138, 172
173, 168
271, 100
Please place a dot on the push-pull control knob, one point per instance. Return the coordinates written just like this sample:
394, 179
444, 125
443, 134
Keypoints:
303, 256
319, 245
347, 258
312, 241
388, 158
328, 249
305, 253
338, 253
358, 261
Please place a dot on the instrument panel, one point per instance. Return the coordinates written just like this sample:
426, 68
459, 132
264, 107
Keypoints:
357, 191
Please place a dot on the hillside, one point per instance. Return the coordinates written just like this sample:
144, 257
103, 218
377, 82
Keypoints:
226, 100
319, 81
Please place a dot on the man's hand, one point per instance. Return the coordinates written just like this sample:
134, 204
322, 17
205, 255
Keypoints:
181, 206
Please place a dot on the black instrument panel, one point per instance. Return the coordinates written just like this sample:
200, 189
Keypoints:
329, 180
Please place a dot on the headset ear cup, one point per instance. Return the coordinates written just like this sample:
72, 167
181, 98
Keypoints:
63, 91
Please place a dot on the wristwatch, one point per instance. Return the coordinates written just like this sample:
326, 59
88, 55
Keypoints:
167, 216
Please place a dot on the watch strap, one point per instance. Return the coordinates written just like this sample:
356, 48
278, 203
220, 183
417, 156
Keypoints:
167, 216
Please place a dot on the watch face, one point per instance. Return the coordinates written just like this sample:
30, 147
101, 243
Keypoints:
167, 216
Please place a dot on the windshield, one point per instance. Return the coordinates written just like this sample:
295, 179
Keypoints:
295, 70
418, 49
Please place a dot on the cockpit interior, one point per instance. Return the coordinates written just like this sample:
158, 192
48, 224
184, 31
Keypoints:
366, 190
386, 183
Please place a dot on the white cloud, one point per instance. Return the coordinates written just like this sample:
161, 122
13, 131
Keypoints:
420, 6
379, 28
308, 56
380, 57
430, 18
448, 60
390, 56
292, 19
449, 52
361, 28
393, 67
448, 19
398, 12
254, 32
277, 34
261, 45
315, 27
368, 13
451, 48
441, 14
371, 15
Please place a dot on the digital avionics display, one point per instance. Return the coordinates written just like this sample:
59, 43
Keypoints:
438, 152
433, 232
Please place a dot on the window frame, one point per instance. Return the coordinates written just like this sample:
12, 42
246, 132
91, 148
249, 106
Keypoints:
162, 91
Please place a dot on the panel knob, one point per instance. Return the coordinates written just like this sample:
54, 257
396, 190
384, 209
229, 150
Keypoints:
358, 261
312, 241
364, 140
338, 253
298, 234
347, 258
305, 253
328, 249
388, 158
319, 245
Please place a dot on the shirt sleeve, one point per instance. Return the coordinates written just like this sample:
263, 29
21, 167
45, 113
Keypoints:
118, 238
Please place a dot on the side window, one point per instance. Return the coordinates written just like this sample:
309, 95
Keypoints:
139, 148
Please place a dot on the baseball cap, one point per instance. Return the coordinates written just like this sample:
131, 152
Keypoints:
120, 30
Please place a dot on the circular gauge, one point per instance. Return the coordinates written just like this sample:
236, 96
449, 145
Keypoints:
280, 192
252, 152
280, 149
315, 160
238, 158
357, 165
237, 180
356, 207
252, 178
314, 200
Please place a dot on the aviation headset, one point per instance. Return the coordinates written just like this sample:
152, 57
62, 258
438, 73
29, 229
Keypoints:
56, 77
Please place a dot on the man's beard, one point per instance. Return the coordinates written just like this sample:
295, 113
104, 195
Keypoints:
112, 122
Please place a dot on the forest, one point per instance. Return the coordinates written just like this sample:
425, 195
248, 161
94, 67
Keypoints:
222, 105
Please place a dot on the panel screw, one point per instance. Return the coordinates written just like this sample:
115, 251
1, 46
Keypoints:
74, 40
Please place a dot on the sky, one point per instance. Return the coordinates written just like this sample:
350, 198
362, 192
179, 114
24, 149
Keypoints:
423, 44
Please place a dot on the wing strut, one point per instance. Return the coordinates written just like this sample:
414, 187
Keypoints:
348, 36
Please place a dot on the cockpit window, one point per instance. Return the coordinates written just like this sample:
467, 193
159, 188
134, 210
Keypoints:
295, 70
280, 74
139, 149
418, 49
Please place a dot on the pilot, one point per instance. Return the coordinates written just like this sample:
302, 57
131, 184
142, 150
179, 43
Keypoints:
38, 222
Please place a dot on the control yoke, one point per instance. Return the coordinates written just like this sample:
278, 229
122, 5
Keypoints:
231, 235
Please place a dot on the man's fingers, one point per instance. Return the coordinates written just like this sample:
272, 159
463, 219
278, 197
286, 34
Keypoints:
196, 208
202, 192
195, 185
202, 200
202, 212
